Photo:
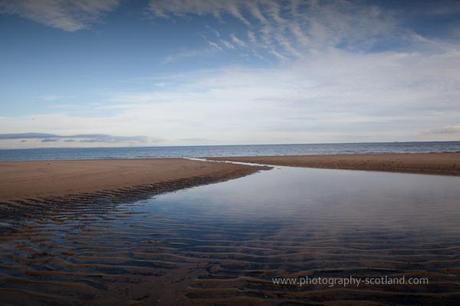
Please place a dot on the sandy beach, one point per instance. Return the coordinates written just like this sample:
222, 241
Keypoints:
224, 244
423, 163
35, 180
20, 181
89, 231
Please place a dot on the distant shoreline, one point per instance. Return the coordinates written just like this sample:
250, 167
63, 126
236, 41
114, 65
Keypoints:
420, 163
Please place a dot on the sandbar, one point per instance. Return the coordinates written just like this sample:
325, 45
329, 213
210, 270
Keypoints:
424, 163
51, 179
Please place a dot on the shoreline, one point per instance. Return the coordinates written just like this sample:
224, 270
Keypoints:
31, 186
417, 163
26, 186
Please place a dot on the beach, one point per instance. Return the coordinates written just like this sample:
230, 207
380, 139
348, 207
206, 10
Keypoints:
226, 243
35, 180
111, 232
227, 153
422, 163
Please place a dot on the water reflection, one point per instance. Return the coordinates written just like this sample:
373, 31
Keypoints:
327, 198
223, 243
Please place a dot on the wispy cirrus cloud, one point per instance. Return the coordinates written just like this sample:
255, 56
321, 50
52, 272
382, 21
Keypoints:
165, 8
62, 14
289, 29
295, 29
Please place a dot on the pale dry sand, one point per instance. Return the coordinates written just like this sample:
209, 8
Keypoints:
46, 179
425, 163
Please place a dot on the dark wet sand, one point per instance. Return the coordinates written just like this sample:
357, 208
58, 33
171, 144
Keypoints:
221, 244
423, 163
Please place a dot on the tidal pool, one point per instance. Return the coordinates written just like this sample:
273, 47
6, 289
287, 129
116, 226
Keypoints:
229, 243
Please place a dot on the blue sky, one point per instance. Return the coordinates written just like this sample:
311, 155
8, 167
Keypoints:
228, 72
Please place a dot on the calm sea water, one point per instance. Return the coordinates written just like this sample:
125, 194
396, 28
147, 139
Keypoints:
222, 244
233, 150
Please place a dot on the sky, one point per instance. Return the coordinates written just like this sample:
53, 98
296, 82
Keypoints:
200, 72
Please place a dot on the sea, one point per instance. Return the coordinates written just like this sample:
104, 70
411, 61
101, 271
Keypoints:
226, 150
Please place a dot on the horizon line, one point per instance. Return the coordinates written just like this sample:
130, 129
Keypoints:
236, 145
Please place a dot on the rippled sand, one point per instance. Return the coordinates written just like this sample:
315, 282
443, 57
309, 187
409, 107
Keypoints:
223, 243
36, 181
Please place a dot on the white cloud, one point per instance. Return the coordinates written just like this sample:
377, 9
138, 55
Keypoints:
237, 41
317, 92
334, 96
65, 15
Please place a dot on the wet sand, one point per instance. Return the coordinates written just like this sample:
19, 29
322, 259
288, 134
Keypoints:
423, 163
90, 233
222, 244
28, 185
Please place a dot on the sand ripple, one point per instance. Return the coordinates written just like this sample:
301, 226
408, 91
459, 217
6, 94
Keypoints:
150, 252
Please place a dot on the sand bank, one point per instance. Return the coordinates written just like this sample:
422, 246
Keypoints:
425, 163
51, 179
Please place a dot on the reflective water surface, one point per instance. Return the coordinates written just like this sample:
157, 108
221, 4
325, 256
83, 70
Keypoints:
228, 150
223, 244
